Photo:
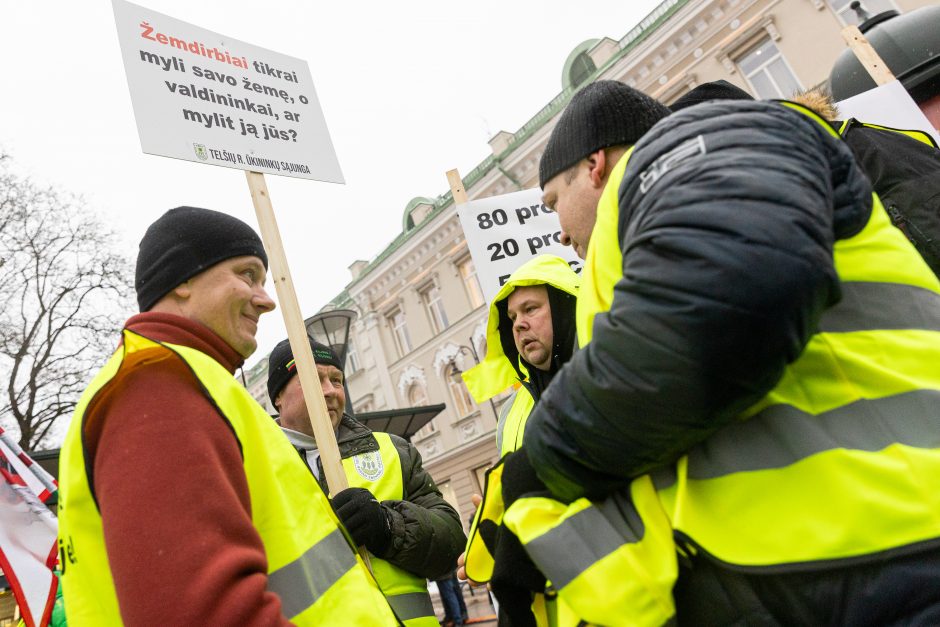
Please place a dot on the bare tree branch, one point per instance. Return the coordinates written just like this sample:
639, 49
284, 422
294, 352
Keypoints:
62, 291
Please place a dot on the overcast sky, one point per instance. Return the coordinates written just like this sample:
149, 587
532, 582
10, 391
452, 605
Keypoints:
409, 91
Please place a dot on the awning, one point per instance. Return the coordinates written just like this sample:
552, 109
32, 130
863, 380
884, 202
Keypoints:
403, 422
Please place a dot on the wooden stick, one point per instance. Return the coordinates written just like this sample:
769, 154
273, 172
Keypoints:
299, 342
456, 187
866, 55
297, 334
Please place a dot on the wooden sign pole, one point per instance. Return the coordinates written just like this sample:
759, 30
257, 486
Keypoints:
299, 342
456, 187
866, 55
297, 334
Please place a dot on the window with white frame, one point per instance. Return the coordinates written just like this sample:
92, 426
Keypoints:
352, 358
431, 297
468, 273
846, 15
768, 72
463, 403
396, 321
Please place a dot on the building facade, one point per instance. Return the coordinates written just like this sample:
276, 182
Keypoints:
421, 314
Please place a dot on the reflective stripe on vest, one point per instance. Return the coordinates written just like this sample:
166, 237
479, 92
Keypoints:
512, 420
380, 472
612, 563
311, 565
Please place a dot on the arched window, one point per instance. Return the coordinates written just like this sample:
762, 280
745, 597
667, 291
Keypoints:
417, 397
582, 67
463, 403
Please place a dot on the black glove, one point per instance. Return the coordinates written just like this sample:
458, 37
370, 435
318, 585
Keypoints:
515, 576
365, 519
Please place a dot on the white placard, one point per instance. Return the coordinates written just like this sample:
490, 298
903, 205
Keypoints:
504, 232
204, 97
887, 105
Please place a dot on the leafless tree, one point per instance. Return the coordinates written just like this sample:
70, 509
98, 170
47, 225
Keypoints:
63, 287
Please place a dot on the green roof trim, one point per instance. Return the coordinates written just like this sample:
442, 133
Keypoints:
639, 33
406, 223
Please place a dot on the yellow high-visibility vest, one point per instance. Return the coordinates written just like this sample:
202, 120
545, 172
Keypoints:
380, 473
312, 565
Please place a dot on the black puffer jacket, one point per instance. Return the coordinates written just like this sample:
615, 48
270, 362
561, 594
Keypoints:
728, 215
427, 535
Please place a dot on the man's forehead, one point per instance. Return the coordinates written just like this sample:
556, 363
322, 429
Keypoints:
525, 293
328, 369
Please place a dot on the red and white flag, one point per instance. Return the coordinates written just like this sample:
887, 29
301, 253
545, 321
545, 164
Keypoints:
27, 532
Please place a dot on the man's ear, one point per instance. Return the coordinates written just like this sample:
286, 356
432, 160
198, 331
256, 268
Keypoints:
183, 291
597, 168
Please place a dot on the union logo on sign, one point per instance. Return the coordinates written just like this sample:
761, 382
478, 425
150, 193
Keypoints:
369, 465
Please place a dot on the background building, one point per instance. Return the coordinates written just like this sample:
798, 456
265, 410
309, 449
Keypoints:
421, 313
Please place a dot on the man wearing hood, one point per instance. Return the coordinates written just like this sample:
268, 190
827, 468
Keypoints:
530, 335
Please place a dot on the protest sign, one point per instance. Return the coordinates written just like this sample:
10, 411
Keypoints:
504, 232
205, 97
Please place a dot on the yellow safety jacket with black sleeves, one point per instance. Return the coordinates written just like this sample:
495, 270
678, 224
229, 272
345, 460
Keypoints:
861, 397
312, 565
380, 473
840, 461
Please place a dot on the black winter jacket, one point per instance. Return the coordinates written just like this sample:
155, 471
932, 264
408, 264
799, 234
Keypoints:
427, 536
906, 175
728, 215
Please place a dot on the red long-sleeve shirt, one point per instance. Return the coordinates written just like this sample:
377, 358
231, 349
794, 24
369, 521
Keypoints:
169, 480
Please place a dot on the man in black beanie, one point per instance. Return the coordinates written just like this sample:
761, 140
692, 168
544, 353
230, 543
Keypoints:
591, 136
171, 511
392, 507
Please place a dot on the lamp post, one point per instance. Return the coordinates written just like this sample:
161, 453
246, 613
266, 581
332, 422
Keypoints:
332, 328
476, 359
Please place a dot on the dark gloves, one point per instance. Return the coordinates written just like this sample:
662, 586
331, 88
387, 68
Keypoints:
365, 518
515, 577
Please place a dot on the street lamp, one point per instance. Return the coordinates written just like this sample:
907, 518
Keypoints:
457, 372
332, 328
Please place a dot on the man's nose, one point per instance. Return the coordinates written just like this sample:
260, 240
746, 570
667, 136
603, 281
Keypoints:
565, 238
262, 301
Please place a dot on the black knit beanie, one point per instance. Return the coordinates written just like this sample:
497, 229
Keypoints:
185, 241
281, 367
716, 90
603, 114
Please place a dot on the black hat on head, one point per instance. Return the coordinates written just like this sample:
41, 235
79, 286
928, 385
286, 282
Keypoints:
184, 242
603, 114
716, 90
281, 367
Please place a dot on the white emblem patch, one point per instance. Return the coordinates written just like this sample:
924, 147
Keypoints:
369, 465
